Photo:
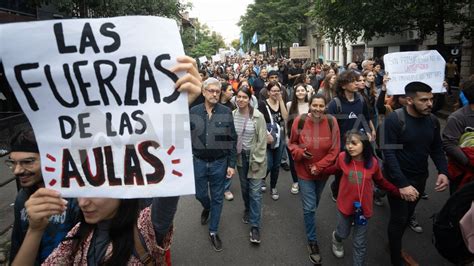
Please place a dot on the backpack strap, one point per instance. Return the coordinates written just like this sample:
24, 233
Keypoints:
338, 105
301, 122
435, 121
330, 121
400, 112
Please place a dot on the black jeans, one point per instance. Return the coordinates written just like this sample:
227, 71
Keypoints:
400, 213
294, 176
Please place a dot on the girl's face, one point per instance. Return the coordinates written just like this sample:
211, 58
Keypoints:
275, 93
231, 76
228, 93
332, 81
354, 146
242, 100
301, 93
361, 83
370, 77
96, 210
331, 71
307, 80
377, 68
317, 107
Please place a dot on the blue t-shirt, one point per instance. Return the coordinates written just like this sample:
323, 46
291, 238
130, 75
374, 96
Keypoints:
57, 229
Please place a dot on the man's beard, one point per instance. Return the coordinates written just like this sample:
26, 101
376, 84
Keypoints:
420, 112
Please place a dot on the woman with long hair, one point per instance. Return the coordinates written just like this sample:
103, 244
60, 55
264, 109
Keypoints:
297, 106
111, 231
251, 159
328, 89
275, 113
314, 145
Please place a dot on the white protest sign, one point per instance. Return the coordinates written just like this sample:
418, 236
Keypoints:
202, 59
262, 47
216, 58
102, 103
424, 66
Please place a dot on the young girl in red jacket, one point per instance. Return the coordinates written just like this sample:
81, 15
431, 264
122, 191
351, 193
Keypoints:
359, 170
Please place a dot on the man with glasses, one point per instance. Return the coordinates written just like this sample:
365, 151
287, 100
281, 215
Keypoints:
214, 152
24, 161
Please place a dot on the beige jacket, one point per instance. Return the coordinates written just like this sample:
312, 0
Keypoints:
258, 152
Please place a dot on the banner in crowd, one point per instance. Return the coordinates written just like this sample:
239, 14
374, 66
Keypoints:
263, 47
406, 67
216, 58
202, 60
301, 52
102, 103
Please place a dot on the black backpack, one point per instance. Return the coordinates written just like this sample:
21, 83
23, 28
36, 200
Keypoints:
447, 236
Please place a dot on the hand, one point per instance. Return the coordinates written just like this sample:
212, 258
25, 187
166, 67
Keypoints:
41, 205
314, 170
191, 81
369, 136
230, 172
307, 155
441, 183
269, 139
374, 135
409, 193
386, 79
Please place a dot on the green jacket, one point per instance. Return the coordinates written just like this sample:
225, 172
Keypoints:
258, 152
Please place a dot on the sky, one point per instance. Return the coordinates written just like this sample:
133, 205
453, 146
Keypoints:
220, 15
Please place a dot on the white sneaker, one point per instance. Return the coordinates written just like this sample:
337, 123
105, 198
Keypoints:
228, 195
275, 195
295, 188
263, 188
337, 247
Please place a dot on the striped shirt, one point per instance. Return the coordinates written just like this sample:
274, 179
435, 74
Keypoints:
248, 133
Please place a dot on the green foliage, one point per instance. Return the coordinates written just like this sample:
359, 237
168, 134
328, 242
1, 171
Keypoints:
275, 21
235, 44
348, 19
206, 43
109, 8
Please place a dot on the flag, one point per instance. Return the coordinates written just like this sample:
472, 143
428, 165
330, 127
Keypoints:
241, 39
254, 38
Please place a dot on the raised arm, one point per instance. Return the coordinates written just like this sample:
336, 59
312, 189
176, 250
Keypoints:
191, 81
40, 206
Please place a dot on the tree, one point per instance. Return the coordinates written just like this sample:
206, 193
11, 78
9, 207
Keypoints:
207, 43
110, 8
279, 22
235, 44
342, 21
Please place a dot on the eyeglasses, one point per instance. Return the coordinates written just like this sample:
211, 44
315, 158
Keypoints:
213, 91
25, 163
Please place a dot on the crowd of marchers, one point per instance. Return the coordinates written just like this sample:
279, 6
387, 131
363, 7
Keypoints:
250, 117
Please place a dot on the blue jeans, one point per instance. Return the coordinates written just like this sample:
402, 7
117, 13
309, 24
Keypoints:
211, 174
273, 163
227, 183
310, 196
359, 237
251, 191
